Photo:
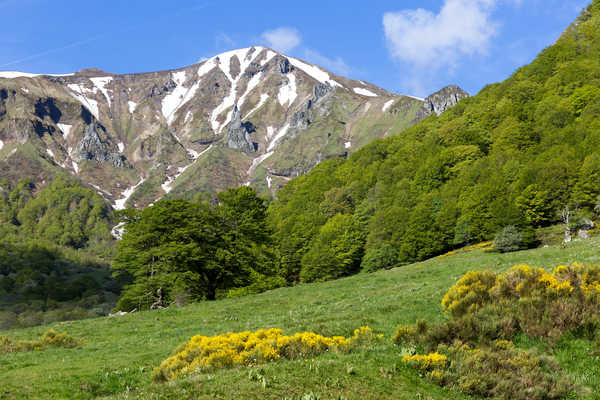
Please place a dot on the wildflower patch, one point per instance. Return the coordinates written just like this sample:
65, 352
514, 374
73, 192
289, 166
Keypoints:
205, 353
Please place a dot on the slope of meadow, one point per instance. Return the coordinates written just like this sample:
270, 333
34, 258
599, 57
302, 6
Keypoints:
119, 353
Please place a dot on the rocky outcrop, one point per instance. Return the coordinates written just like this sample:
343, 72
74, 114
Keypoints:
440, 101
238, 134
91, 147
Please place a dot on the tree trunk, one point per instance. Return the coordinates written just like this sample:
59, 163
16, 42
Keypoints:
211, 293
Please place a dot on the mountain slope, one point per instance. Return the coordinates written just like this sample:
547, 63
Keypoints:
523, 152
246, 116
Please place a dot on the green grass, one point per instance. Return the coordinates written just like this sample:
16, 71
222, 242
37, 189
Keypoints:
120, 352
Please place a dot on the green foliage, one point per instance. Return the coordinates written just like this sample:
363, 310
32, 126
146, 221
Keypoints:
508, 239
384, 257
180, 248
335, 252
515, 154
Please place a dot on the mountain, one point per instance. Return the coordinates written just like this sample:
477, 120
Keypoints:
249, 116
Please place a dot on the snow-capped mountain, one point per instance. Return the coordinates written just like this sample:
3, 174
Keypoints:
249, 116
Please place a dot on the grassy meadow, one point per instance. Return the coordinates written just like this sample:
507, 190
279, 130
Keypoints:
119, 353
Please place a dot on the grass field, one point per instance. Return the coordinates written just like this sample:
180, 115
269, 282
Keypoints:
120, 352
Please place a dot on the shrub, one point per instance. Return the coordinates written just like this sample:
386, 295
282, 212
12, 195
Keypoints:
470, 292
501, 371
204, 353
508, 239
487, 310
426, 363
50, 338
384, 257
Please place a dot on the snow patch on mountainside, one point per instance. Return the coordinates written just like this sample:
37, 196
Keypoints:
206, 67
65, 129
167, 186
254, 81
75, 167
414, 97
180, 95
314, 72
121, 147
50, 153
101, 83
79, 93
269, 57
1, 144
25, 90
269, 181
278, 137
132, 106
120, 204
288, 93
263, 99
387, 105
17, 74
348, 145
245, 60
258, 160
364, 92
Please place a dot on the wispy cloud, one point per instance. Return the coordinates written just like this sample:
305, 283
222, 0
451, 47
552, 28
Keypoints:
50, 51
283, 39
224, 42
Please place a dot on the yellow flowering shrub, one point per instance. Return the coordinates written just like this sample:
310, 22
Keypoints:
203, 353
469, 293
482, 245
426, 362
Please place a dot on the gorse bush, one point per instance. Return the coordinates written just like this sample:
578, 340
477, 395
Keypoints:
50, 338
498, 370
487, 310
203, 353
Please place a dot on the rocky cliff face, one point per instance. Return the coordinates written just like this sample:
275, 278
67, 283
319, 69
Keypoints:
440, 101
249, 116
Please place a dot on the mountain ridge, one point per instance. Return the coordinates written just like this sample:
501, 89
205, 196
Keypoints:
153, 131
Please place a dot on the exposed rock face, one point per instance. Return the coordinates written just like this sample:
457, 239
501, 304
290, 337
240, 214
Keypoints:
440, 101
168, 130
238, 136
91, 147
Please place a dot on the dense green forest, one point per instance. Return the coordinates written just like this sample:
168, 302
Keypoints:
54, 253
522, 153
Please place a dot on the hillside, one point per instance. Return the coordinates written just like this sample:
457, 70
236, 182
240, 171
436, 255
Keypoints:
523, 153
120, 352
248, 116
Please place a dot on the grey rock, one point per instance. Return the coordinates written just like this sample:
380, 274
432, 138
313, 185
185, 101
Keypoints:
284, 65
440, 101
238, 136
91, 147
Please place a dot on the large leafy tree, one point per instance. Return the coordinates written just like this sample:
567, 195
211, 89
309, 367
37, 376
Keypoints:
182, 248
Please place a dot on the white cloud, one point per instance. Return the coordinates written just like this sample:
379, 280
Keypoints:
422, 38
282, 39
337, 65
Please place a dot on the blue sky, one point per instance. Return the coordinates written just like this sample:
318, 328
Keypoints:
410, 47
